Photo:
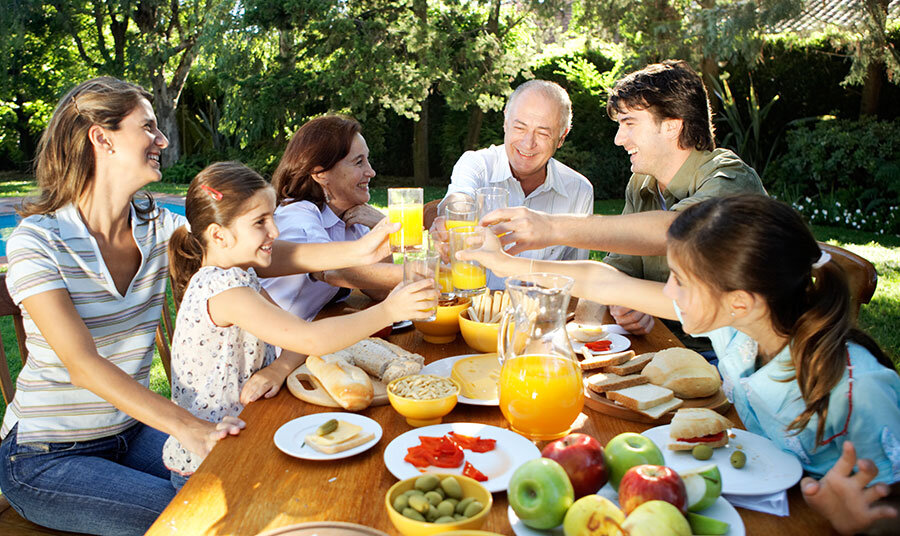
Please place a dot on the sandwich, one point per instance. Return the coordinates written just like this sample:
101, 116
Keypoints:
683, 371
698, 426
586, 332
343, 436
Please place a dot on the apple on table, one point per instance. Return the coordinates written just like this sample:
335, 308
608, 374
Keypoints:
643, 483
540, 493
627, 450
582, 457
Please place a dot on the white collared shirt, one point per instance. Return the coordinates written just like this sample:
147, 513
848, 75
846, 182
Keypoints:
303, 223
564, 191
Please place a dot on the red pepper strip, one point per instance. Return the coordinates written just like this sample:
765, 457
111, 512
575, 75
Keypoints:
711, 438
436, 451
470, 471
599, 346
475, 444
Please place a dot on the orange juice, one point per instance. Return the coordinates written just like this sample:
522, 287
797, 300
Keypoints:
450, 224
410, 234
445, 280
541, 395
467, 276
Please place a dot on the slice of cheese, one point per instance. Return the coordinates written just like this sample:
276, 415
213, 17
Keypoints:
478, 376
342, 435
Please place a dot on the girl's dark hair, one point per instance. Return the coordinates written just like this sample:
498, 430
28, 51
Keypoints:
65, 164
760, 245
668, 90
317, 146
216, 195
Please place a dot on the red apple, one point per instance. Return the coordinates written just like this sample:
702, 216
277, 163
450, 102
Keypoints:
582, 457
644, 483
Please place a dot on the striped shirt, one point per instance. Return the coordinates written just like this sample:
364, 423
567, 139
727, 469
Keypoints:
564, 191
56, 251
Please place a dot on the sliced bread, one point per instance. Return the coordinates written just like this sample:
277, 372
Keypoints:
641, 396
632, 366
607, 381
593, 362
658, 411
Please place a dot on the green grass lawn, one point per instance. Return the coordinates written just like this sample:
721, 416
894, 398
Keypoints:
879, 318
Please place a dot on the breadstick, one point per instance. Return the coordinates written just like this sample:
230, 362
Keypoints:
485, 308
473, 314
504, 303
495, 308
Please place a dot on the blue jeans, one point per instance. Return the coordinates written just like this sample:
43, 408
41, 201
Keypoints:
178, 480
115, 485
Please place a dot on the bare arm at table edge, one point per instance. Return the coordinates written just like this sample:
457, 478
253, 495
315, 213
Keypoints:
642, 233
593, 280
56, 317
290, 258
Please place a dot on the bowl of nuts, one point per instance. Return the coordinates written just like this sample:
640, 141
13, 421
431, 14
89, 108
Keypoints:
434, 503
423, 399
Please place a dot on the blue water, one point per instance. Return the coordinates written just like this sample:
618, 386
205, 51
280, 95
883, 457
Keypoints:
8, 222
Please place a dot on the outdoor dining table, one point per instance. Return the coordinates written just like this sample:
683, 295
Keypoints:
247, 486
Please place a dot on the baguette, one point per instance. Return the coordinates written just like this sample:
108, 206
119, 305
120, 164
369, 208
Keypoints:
641, 396
347, 384
632, 366
593, 362
607, 381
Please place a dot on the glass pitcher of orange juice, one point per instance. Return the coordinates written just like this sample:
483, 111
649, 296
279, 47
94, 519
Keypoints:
541, 393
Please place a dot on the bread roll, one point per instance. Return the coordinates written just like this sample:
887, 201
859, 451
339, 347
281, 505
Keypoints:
347, 384
683, 371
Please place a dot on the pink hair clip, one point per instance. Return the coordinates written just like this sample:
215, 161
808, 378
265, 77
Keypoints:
215, 194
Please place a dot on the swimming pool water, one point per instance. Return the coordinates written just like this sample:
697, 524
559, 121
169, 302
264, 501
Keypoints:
8, 222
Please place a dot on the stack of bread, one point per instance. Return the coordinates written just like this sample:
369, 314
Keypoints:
652, 384
347, 375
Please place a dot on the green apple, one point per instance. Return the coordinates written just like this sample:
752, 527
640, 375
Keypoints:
703, 485
593, 515
627, 450
707, 525
656, 518
540, 493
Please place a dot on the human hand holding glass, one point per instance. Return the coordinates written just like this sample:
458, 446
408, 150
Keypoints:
419, 265
406, 207
468, 277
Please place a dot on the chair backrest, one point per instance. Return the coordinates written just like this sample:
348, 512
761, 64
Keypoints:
164, 338
430, 212
861, 274
9, 308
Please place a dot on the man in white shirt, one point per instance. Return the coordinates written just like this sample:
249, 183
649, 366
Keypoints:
538, 116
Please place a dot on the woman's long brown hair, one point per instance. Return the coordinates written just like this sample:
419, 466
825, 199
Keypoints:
65, 156
760, 245
216, 195
317, 146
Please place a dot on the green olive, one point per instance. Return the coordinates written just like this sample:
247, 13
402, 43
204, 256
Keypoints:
463, 504
446, 508
401, 502
419, 503
412, 514
427, 482
473, 508
451, 487
434, 497
702, 452
738, 459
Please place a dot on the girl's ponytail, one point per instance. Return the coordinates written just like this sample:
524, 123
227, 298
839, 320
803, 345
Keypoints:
185, 258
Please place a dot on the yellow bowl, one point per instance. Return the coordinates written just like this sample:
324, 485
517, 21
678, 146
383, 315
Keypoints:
423, 412
445, 326
411, 527
479, 335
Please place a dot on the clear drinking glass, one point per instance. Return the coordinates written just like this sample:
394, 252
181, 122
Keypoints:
461, 214
405, 206
468, 277
418, 265
489, 199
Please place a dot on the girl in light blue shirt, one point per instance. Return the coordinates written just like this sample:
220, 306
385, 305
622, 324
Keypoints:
747, 273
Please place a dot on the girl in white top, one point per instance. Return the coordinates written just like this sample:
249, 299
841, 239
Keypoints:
222, 354
747, 273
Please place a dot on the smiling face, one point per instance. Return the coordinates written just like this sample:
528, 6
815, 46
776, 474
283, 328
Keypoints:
254, 231
650, 142
347, 183
532, 134
136, 145
702, 309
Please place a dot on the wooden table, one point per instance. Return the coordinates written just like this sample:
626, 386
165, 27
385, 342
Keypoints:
246, 485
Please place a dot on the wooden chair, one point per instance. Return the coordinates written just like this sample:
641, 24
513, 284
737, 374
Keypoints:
164, 339
9, 308
861, 275
430, 212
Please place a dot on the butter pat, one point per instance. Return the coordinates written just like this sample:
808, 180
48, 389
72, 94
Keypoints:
478, 376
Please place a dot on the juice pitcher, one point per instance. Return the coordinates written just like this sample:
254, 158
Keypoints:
541, 393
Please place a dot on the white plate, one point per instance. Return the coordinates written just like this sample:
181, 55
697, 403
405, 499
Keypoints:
511, 451
290, 436
768, 469
403, 324
620, 343
721, 510
444, 367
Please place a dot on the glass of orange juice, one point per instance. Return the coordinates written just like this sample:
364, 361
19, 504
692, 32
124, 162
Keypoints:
418, 265
489, 199
461, 214
541, 390
405, 206
468, 277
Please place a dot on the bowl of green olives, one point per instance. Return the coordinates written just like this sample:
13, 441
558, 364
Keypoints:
433, 503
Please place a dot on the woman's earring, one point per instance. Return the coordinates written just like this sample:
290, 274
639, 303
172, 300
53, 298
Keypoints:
327, 197
110, 150
732, 313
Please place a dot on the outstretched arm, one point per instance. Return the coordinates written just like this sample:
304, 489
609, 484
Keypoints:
55, 315
842, 496
641, 233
